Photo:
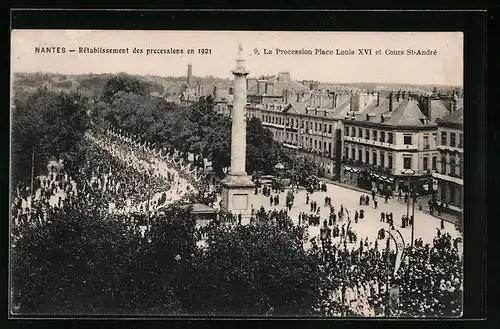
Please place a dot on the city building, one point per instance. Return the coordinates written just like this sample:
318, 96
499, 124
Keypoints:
450, 163
391, 143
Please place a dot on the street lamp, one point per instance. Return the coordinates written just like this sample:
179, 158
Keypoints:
410, 172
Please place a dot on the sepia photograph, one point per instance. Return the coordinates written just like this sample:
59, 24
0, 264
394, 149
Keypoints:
236, 173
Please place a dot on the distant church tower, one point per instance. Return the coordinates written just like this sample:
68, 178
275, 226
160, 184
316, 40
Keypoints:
190, 74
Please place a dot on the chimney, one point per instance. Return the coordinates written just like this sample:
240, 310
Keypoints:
390, 102
215, 91
426, 107
354, 103
230, 90
325, 113
307, 110
320, 100
367, 117
454, 104
382, 118
261, 86
334, 97
269, 88
189, 74
397, 96
378, 99
298, 96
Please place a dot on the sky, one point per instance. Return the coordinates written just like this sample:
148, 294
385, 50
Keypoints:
443, 68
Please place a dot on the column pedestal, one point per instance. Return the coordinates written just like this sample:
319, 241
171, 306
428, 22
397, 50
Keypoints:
236, 194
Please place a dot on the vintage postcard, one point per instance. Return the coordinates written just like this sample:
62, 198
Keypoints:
236, 173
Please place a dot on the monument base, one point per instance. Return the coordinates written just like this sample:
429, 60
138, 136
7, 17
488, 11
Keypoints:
236, 193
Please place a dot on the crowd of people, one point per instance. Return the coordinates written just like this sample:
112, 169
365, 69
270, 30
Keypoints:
360, 273
363, 283
135, 183
116, 176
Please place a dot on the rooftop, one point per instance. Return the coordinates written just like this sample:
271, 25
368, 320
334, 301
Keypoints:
405, 113
199, 208
456, 117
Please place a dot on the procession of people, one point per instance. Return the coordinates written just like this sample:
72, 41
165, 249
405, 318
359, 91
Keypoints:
131, 182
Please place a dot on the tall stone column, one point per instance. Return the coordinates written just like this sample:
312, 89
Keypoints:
238, 131
237, 186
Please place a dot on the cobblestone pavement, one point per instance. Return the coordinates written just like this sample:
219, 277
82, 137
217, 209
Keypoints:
425, 225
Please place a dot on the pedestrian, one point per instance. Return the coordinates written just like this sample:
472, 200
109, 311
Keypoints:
442, 223
307, 198
375, 203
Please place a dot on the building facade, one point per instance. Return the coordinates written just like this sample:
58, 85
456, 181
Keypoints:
450, 164
391, 145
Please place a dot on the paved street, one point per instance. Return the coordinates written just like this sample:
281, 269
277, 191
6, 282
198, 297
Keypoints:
425, 225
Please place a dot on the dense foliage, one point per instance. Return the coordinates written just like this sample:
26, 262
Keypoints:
86, 263
46, 124
127, 105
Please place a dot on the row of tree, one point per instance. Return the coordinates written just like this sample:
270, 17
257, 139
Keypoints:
197, 129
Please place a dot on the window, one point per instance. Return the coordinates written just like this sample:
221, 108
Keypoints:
330, 129
434, 163
443, 165
324, 146
315, 126
407, 162
443, 138
382, 159
346, 150
389, 160
374, 158
319, 145
331, 151
315, 144
426, 142
374, 135
452, 166
461, 141
353, 152
360, 155
460, 167
453, 138
360, 132
353, 132
434, 139
302, 125
407, 139
367, 134
382, 136
425, 164
390, 139
367, 156
324, 126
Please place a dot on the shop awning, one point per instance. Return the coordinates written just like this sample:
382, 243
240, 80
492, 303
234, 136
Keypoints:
455, 180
